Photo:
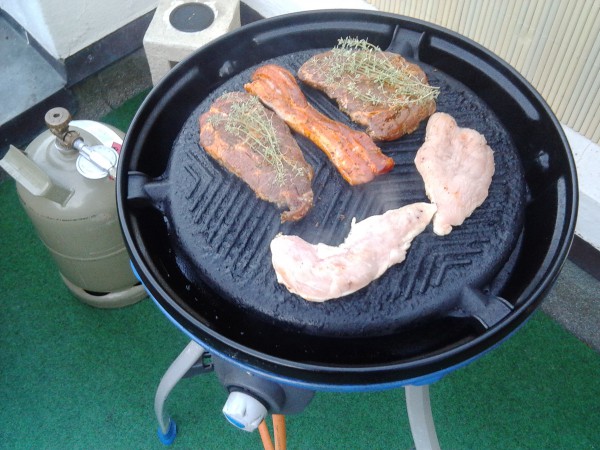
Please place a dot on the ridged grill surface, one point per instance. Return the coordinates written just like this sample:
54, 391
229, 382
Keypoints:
221, 231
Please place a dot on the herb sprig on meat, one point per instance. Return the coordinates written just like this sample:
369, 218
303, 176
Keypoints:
250, 121
354, 58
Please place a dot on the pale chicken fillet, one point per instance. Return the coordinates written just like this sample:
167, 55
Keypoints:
457, 167
322, 272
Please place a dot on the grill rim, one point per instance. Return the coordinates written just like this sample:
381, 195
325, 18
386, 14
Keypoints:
533, 293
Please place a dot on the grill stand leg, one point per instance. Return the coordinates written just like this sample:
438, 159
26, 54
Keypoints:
420, 418
418, 404
167, 430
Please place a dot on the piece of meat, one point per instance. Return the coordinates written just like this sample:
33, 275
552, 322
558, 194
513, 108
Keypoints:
321, 272
257, 146
457, 167
389, 107
352, 152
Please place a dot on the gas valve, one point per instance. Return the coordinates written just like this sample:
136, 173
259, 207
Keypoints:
94, 162
244, 411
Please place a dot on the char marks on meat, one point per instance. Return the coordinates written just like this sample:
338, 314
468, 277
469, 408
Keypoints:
352, 152
321, 272
379, 90
257, 146
457, 167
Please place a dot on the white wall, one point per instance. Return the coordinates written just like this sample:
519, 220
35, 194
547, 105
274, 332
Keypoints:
555, 44
63, 27
270, 8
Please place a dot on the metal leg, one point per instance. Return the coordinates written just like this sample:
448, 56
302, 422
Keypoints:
167, 429
420, 418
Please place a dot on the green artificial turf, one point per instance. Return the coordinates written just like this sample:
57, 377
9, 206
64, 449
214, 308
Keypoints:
76, 377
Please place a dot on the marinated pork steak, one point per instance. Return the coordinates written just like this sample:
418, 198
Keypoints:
352, 152
379, 90
257, 146
321, 272
457, 167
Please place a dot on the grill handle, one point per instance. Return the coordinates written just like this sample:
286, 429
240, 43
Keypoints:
406, 42
486, 308
144, 191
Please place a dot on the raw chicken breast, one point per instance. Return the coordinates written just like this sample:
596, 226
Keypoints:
457, 167
321, 272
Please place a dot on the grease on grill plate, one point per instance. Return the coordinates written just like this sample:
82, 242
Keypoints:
221, 231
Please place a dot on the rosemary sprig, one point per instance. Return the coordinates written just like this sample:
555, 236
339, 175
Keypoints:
395, 87
249, 121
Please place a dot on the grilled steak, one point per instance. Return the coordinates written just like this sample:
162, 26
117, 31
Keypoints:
379, 90
352, 152
257, 146
322, 272
457, 167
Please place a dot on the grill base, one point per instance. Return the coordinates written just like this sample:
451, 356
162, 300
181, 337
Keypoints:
274, 397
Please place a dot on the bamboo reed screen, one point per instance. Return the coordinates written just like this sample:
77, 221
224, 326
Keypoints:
555, 44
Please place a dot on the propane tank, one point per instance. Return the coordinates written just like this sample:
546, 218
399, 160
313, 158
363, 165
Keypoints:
65, 182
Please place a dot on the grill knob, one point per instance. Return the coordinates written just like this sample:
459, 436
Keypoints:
244, 411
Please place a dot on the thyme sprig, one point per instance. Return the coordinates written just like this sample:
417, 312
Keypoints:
395, 87
249, 120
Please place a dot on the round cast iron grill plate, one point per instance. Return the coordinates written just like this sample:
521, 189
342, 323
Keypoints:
222, 231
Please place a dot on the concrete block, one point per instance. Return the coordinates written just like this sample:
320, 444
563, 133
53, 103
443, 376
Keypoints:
179, 27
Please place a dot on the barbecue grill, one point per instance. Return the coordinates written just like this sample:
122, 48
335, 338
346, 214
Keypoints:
199, 238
